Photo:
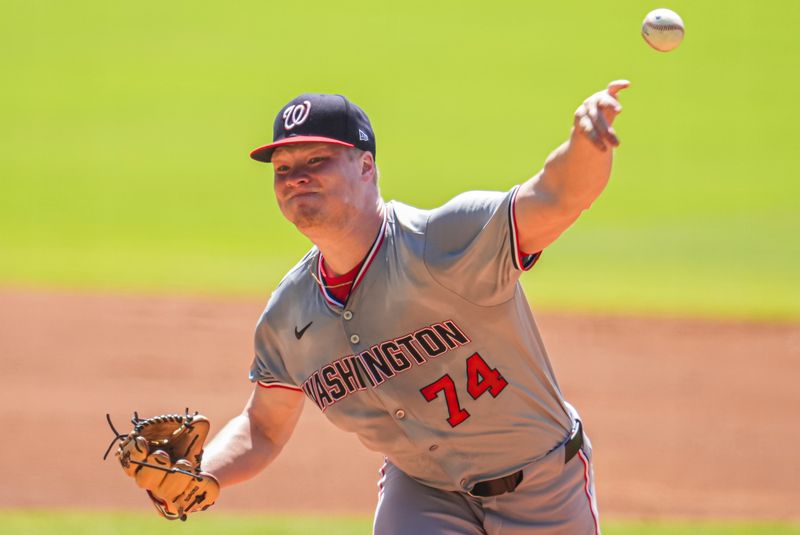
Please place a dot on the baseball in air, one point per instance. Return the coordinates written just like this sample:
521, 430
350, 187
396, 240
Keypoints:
663, 29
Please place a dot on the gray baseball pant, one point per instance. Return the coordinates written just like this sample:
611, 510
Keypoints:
554, 498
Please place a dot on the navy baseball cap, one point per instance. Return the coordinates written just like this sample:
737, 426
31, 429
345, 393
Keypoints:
319, 118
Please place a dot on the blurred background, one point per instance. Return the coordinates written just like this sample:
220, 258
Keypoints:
126, 131
135, 229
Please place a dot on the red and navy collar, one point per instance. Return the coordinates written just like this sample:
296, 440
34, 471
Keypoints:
376, 245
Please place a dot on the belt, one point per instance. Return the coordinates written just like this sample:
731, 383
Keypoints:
501, 485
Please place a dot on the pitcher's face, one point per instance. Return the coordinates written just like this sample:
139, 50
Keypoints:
318, 184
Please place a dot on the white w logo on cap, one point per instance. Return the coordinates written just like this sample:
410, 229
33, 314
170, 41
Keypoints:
296, 114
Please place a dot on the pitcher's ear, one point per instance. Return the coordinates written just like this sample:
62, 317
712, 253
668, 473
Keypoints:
368, 164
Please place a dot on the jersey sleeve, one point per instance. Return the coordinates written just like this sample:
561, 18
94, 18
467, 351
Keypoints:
268, 368
472, 248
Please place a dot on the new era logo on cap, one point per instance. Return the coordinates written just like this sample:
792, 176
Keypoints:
320, 118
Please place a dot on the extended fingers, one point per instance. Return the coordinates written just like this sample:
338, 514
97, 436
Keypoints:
591, 120
601, 113
585, 124
616, 86
608, 100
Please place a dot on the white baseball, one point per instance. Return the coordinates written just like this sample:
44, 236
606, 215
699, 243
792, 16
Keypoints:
663, 29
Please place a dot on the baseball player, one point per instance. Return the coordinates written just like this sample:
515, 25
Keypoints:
409, 328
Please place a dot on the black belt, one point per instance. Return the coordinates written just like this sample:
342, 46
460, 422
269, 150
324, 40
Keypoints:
501, 485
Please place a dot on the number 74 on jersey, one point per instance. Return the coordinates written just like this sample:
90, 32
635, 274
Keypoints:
480, 379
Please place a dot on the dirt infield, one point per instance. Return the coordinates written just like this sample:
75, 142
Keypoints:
688, 418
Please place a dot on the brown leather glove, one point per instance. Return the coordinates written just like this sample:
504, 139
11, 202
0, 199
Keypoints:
163, 455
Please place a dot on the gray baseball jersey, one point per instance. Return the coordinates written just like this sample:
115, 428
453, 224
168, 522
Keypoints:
435, 360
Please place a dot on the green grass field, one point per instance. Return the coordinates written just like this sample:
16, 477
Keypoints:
126, 128
76, 523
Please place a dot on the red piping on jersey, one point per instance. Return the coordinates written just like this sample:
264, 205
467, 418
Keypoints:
376, 245
588, 493
285, 387
519, 255
381, 479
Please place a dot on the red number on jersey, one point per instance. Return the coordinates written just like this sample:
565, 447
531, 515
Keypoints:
431, 392
480, 378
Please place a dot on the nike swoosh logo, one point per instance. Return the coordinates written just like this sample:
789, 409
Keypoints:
299, 334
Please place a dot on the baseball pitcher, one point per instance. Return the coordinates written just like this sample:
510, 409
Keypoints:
410, 328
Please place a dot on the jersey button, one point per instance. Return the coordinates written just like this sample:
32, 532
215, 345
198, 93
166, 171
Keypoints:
400, 414
354, 339
347, 315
